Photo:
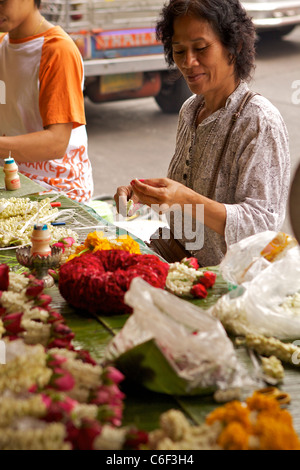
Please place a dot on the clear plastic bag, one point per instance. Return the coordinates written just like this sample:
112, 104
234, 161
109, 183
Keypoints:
247, 258
258, 306
173, 346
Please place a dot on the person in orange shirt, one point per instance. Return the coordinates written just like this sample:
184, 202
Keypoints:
42, 118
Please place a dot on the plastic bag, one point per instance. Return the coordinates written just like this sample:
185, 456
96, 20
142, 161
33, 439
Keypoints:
258, 306
247, 258
171, 346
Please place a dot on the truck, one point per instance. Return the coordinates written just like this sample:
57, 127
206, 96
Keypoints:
123, 58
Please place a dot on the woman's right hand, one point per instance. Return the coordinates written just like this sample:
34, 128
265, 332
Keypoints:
122, 196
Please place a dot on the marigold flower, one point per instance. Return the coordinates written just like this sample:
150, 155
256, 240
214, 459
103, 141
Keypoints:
234, 437
232, 411
96, 241
274, 434
260, 402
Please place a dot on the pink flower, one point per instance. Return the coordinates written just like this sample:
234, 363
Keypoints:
64, 243
58, 409
4, 277
12, 323
134, 438
54, 274
208, 279
61, 380
113, 375
43, 300
60, 245
85, 356
59, 343
199, 291
46, 400
54, 316
55, 361
191, 262
35, 287
62, 331
83, 438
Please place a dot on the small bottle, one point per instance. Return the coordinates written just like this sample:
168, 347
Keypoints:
40, 241
12, 179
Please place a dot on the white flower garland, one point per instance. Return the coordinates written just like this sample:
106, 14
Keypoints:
34, 435
181, 278
25, 366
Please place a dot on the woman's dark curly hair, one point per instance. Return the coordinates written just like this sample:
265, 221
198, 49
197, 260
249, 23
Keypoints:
37, 3
228, 19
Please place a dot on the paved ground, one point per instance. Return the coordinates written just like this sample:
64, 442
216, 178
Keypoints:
135, 139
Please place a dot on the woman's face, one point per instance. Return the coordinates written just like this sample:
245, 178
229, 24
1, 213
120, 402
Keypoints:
13, 13
201, 57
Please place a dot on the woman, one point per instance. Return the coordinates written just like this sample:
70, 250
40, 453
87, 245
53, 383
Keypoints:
243, 188
42, 121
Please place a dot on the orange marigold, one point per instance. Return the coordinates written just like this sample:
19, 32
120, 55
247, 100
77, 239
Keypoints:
275, 433
234, 437
233, 411
259, 402
96, 241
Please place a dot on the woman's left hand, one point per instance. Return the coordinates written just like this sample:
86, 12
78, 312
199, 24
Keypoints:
162, 192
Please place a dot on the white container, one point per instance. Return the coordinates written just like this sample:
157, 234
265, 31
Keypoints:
12, 179
40, 240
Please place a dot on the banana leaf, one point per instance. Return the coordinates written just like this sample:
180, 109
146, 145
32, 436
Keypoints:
146, 365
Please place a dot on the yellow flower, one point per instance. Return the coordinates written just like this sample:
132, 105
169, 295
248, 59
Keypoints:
96, 241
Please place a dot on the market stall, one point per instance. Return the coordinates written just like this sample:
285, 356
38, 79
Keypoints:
143, 402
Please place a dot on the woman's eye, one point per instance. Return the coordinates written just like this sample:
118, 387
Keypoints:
201, 49
178, 52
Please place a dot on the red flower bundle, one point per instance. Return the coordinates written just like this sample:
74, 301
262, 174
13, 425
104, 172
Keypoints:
97, 282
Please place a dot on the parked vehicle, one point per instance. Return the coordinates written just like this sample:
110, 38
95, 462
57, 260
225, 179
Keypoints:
122, 58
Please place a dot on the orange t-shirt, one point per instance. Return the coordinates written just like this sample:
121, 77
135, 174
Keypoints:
42, 77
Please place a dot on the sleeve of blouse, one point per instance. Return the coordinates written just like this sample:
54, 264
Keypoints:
263, 182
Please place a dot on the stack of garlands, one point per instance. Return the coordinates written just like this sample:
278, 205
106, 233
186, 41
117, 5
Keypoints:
98, 275
52, 396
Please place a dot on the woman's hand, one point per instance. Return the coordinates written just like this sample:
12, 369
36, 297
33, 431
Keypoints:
122, 196
162, 192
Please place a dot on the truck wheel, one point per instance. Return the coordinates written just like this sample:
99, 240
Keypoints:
173, 93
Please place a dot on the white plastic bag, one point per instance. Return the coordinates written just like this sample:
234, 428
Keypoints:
247, 258
256, 306
193, 342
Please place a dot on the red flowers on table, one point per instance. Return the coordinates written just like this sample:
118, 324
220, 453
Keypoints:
206, 281
97, 282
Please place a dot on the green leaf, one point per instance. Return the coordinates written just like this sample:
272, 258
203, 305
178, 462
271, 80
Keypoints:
147, 365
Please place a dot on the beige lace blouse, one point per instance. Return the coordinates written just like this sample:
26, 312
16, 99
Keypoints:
254, 176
